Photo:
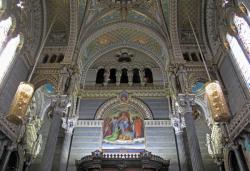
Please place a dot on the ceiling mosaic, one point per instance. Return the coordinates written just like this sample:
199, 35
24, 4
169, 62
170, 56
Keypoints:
125, 36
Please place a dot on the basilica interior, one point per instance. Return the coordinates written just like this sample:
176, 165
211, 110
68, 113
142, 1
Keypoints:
125, 85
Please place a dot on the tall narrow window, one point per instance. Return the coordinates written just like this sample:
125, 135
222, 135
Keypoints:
243, 32
8, 55
240, 58
4, 29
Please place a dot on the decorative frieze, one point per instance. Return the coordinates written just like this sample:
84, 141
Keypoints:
157, 123
147, 123
111, 91
89, 123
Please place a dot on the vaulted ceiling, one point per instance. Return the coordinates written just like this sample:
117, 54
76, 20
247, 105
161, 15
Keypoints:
96, 27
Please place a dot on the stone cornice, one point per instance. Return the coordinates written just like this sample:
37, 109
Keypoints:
112, 91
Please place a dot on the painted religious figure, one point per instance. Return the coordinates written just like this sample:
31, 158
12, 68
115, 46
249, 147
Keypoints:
123, 128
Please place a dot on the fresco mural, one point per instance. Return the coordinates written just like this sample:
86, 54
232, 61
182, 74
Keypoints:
123, 128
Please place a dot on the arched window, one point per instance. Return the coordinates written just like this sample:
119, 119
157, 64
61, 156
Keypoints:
124, 76
8, 55
136, 76
53, 59
148, 75
240, 58
45, 59
100, 76
112, 76
5, 26
243, 31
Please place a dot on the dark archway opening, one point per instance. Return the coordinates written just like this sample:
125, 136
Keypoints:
194, 57
233, 162
124, 77
60, 58
148, 75
112, 76
186, 56
13, 162
100, 76
53, 59
45, 59
136, 76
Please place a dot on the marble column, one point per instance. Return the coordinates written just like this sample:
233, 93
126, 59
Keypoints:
68, 125
239, 158
130, 77
179, 124
141, 74
118, 77
7, 157
58, 106
186, 101
106, 77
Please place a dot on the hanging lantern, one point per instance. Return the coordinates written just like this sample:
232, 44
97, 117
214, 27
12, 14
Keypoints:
217, 102
20, 103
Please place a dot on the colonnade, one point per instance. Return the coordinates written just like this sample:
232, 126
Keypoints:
118, 76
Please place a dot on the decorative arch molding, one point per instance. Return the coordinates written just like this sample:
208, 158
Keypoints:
199, 100
119, 25
40, 80
136, 103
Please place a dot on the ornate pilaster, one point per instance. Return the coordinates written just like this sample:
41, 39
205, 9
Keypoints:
186, 101
58, 106
179, 124
69, 125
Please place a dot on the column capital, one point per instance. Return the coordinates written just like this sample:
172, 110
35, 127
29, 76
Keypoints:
178, 124
69, 124
59, 103
186, 99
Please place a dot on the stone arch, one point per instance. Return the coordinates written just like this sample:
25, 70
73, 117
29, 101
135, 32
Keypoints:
199, 100
97, 56
119, 25
136, 103
40, 80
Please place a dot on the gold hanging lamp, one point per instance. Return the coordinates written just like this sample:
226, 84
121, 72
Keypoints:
213, 92
25, 91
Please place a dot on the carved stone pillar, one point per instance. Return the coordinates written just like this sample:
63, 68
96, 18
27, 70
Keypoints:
141, 74
7, 157
106, 77
179, 124
130, 77
186, 101
239, 158
68, 125
118, 77
58, 106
